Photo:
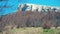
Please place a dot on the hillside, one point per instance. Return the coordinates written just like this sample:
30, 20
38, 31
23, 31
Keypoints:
30, 18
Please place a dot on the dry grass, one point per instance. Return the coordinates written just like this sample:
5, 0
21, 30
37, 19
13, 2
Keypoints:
33, 30
29, 31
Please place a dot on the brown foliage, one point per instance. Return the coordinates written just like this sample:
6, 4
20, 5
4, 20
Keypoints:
29, 19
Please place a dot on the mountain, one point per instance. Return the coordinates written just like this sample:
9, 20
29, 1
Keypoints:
34, 7
30, 18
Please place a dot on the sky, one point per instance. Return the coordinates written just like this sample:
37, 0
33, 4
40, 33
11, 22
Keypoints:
14, 4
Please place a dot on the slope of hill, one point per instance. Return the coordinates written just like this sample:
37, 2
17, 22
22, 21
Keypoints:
30, 19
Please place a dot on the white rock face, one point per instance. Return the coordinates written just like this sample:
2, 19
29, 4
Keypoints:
34, 7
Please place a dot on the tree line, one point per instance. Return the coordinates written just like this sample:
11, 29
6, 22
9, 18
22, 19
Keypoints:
30, 19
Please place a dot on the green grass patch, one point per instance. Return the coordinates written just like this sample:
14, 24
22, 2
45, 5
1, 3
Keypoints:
17, 30
49, 31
